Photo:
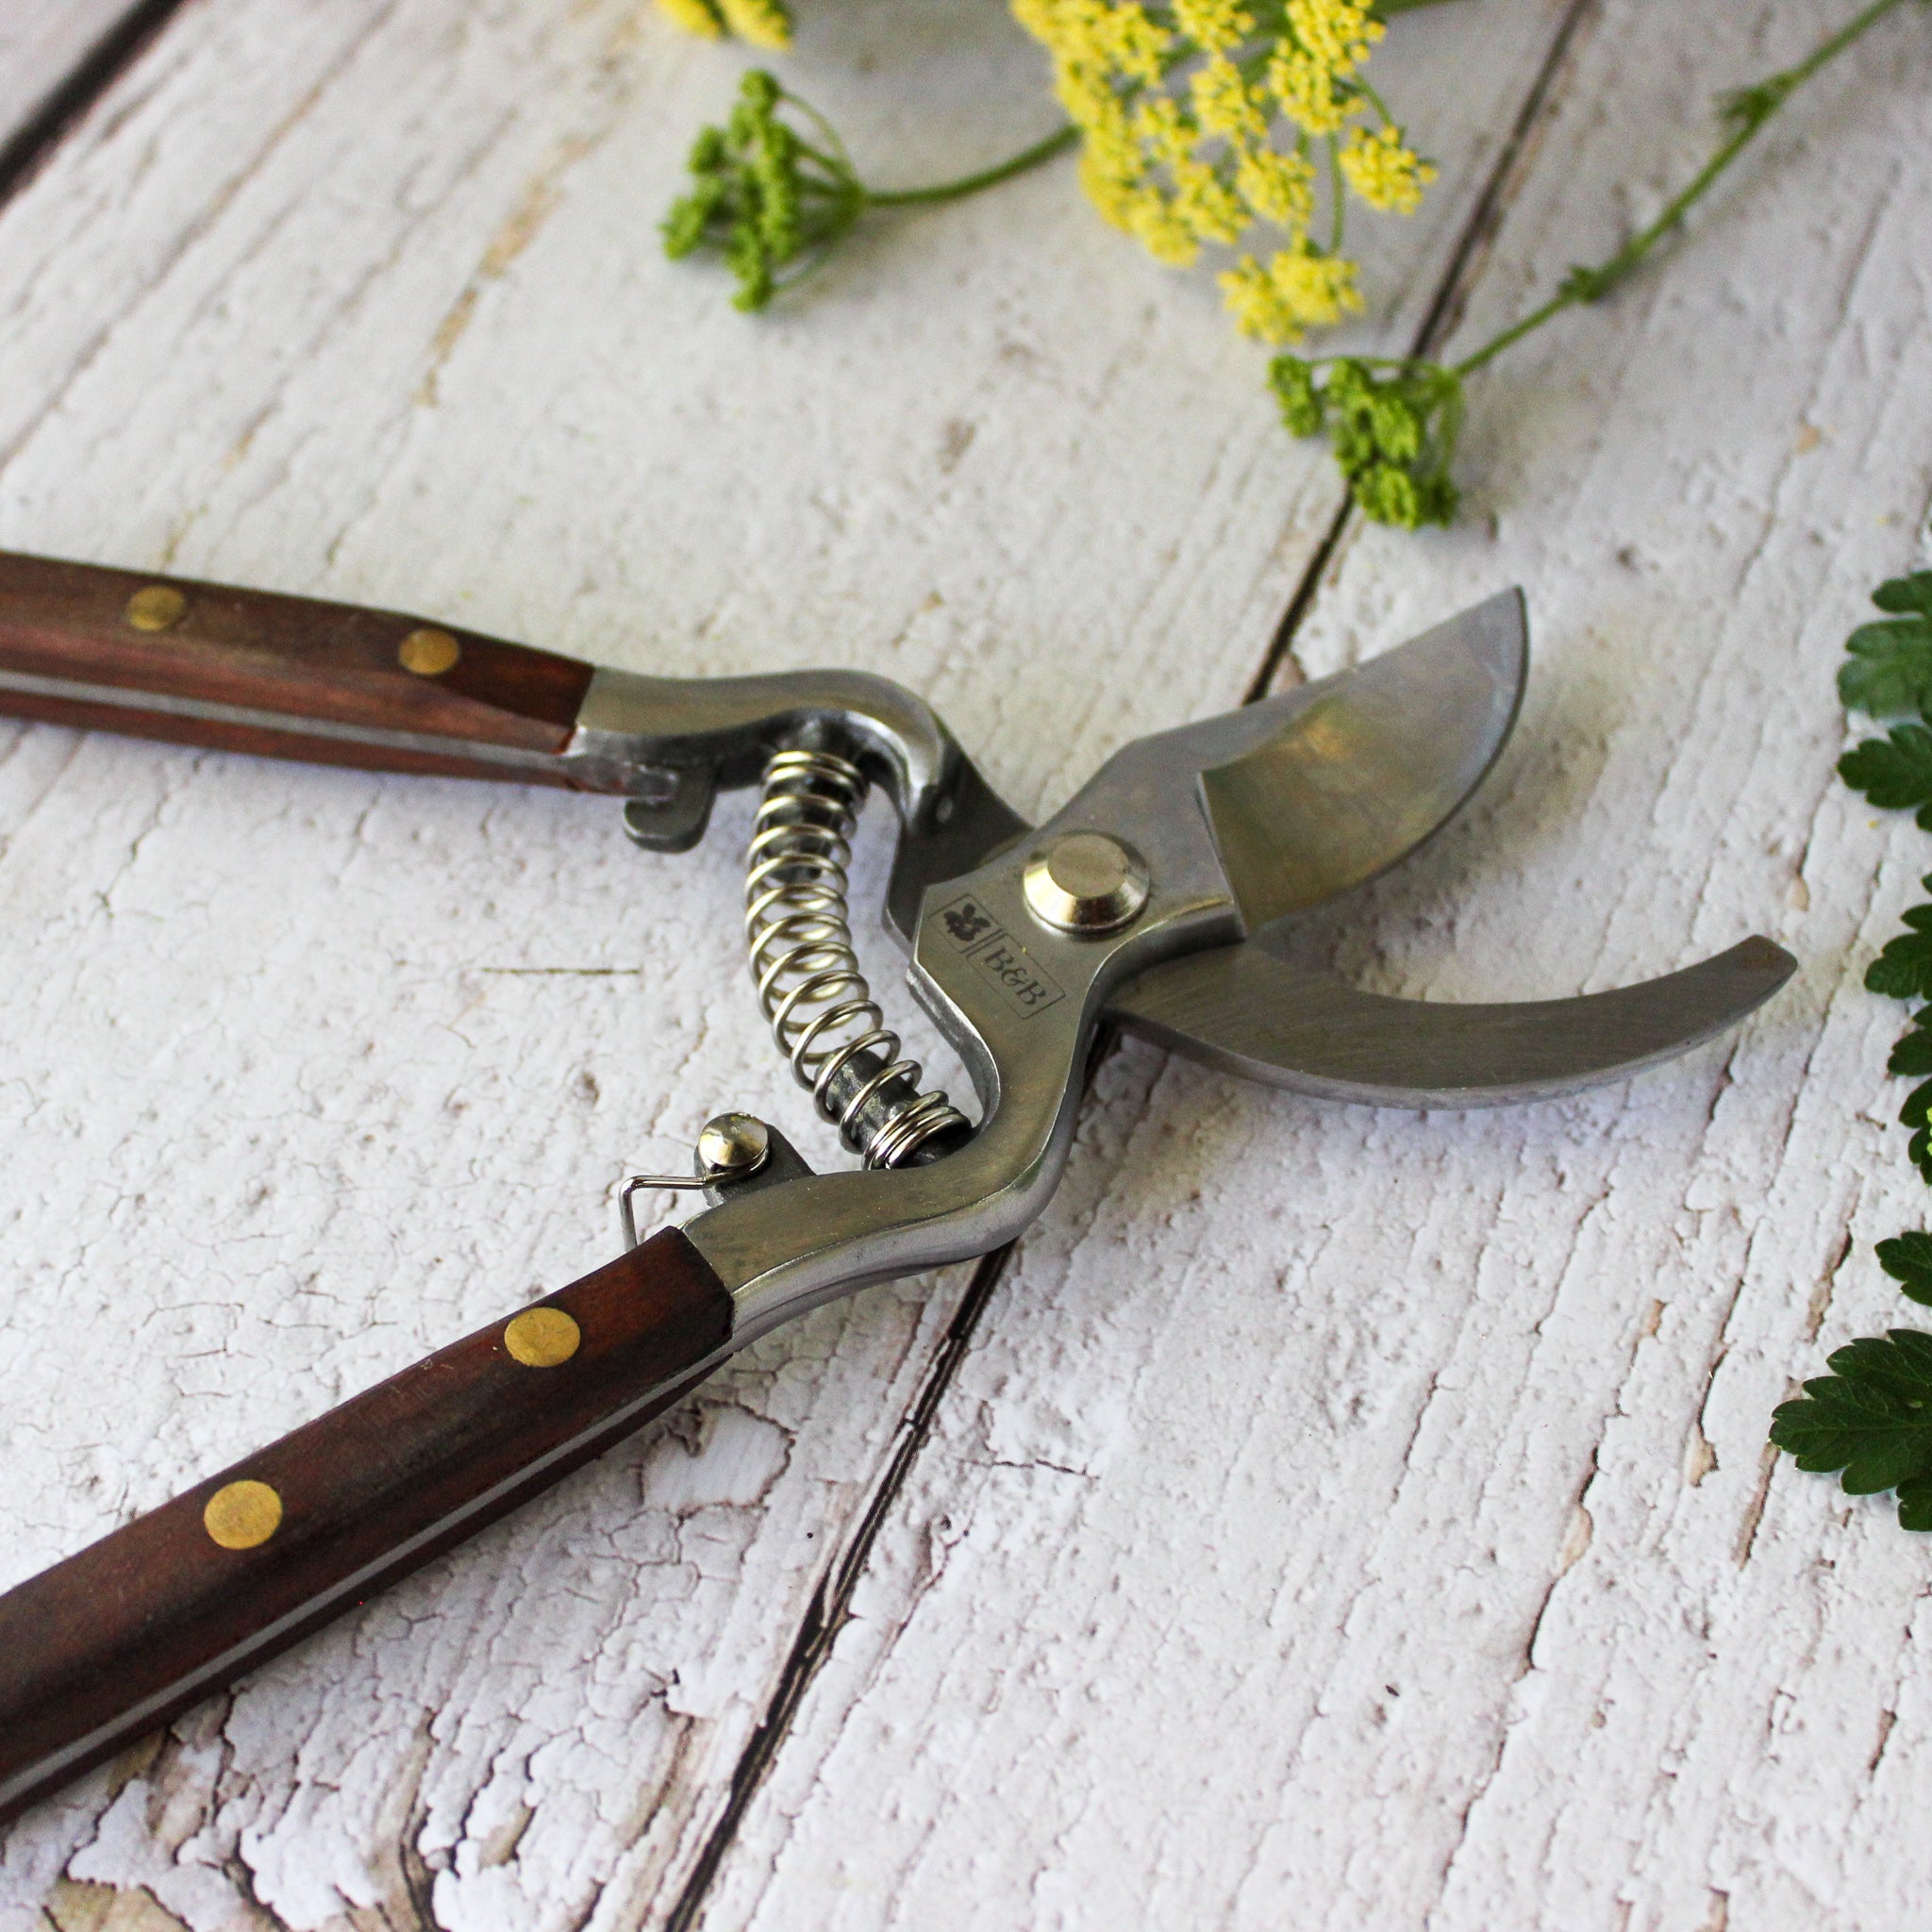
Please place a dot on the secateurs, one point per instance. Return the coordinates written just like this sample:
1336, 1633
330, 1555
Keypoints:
1153, 899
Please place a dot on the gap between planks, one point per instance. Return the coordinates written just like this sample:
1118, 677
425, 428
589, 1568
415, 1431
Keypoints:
60, 114
830, 1606
62, 109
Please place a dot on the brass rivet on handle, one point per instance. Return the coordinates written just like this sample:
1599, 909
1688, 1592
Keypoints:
541, 1338
243, 1515
156, 607
428, 652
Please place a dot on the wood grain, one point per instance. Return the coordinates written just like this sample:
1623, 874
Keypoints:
1351, 1518
116, 632
384, 327
99, 1650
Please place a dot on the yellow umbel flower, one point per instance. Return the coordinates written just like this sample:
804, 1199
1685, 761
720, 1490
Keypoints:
1205, 206
1296, 292
1163, 232
1177, 135
1317, 289
1113, 190
694, 17
1215, 27
1385, 171
1306, 92
1338, 34
763, 23
1279, 187
1131, 42
1223, 103
1163, 132
1331, 39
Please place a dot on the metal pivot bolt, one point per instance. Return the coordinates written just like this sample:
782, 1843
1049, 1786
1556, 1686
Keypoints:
1085, 883
731, 1146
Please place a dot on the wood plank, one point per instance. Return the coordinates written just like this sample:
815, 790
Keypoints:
345, 1063
1352, 1518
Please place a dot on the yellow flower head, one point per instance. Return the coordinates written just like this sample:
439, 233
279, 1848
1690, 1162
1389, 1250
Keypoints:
1132, 44
1163, 231
1205, 206
1385, 171
1296, 292
1317, 289
1279, 187
1336, 34
1223, 103
1163, 131
1306, 90
1114, 190
763, 23
1176, 134
1214, 26
694, 17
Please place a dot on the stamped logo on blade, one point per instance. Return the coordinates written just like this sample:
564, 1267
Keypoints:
976, 935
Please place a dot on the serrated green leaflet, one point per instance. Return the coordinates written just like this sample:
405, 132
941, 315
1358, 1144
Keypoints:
1870, 1419
1907, 1258
1912, 1056
1890, 669
1893, 772
1913, 593
1904, 968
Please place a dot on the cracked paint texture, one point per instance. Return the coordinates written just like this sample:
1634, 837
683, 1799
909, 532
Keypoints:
1335, 1517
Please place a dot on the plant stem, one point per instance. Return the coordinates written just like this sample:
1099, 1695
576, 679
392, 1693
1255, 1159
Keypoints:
1588, 285
1055, 143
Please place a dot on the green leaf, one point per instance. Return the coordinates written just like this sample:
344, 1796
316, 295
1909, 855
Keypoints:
1892, 772
1919, 1152
1907, 1258
1906, 594
1915, 1503
1904, 968
1912, 1056
1917, 1111
1890, 667
1870, 1419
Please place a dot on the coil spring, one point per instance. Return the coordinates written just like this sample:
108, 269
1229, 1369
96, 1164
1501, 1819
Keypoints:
799, 936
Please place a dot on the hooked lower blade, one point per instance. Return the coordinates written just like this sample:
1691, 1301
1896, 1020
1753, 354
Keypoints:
1242, 1009
1363, 767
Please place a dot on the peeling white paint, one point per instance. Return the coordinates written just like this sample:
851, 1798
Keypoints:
1307, 1536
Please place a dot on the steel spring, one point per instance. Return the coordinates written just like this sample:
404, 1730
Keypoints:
799, 936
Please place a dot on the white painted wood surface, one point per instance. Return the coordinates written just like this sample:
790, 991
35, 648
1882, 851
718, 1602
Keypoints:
1337, 1517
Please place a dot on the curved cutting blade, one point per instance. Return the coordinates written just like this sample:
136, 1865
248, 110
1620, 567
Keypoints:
1242, 1009
1339, 781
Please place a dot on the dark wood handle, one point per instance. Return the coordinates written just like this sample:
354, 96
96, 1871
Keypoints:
251, 670
101, 1648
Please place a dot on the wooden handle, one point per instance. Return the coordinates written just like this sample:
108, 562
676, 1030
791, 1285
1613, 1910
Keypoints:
200, 663
103, 1648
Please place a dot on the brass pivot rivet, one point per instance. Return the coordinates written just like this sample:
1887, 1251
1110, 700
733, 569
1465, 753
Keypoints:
541, 1338
156, 607
428, 652
243, 1515
732, 1145
1085, 883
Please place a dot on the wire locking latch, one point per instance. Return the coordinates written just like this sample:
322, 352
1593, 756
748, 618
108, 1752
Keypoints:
731, 1147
